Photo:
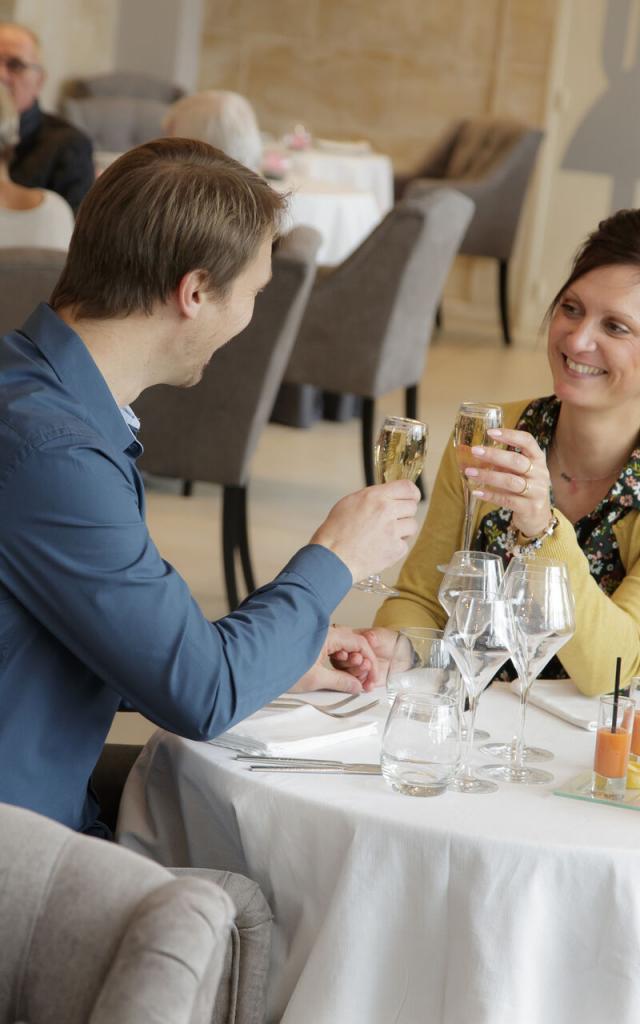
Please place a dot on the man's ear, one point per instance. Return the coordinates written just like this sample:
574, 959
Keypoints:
191, 293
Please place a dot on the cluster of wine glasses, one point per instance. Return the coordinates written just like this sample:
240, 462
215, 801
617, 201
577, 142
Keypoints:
525, 614
398, 454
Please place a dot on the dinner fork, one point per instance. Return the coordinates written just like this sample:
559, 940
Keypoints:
331, 714
292, 699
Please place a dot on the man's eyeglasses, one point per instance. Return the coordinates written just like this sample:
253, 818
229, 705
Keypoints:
16, 66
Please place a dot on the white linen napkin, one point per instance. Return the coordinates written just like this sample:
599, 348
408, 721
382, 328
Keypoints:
561, 698
355, 148
291, 732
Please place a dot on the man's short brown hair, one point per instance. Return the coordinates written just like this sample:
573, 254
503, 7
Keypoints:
159, 211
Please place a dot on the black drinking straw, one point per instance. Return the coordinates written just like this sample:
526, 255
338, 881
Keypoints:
616, 695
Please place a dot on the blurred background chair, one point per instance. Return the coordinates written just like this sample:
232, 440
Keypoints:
125, 83
116, 123
27, 277
491, 161
210, 432
93, 934
369, 321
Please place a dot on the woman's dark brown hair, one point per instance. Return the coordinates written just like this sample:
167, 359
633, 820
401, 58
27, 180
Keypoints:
616, 241
159, 211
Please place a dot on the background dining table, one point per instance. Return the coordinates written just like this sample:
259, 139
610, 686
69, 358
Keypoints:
515, 906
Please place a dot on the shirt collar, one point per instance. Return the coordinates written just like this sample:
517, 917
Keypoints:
74, 366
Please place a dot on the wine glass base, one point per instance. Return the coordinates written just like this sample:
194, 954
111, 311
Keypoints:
371, 586
472, 784
519, 774
507, 752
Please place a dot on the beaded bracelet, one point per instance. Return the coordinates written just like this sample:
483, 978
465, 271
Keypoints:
532, 543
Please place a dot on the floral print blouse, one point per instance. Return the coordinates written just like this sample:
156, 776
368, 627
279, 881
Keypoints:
594, 531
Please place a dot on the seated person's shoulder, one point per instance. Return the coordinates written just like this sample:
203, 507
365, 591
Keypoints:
55, 127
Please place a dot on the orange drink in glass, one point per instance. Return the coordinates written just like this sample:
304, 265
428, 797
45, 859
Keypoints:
613, 743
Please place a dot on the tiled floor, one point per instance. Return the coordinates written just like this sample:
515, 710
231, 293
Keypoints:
298, 474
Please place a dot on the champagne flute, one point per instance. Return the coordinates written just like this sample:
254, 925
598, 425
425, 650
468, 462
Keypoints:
472, 423
398, 454
481, 637
544, 613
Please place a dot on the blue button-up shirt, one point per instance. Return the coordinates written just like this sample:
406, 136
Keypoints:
90, 613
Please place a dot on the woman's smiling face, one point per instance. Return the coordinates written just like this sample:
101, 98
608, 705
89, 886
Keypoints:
594, 339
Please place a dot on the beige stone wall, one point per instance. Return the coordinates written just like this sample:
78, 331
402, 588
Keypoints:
395, 73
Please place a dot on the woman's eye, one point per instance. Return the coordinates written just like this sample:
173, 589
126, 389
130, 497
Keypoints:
615, 328
569, 308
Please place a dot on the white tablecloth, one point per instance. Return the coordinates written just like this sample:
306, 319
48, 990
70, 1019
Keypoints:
369, 172
344, 216
519, 907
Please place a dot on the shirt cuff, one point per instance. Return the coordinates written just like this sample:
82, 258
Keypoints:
325, 573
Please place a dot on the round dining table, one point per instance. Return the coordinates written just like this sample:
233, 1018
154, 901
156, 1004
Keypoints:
516, 907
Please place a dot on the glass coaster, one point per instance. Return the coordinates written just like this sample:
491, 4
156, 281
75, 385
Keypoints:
579, 788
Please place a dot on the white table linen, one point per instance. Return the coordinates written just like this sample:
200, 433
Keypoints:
344, 216
519, 906
295, 731
368, 172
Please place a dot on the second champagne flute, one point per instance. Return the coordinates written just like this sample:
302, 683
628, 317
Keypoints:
472, 423
398, 454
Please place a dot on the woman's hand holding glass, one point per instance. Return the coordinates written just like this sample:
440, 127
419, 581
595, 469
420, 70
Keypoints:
518, 480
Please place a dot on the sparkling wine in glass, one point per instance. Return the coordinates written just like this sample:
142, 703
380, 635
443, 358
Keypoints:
472, 423
398, 454
544, 613
480, 634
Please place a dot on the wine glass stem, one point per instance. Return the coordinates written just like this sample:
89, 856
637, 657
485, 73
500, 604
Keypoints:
525, 685
470, 502
468, 747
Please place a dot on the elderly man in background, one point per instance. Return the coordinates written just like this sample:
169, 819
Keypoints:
51, 153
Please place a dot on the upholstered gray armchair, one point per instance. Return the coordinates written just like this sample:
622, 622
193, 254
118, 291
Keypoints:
27, 277
94, 934
125, 83
210, 432
116, 123
368, 322
491, 161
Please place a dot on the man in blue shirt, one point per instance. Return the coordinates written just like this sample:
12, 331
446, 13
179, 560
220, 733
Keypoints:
170, 248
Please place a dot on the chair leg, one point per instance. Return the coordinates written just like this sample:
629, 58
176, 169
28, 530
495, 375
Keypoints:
243, 541
439, 319
503, 277
411, 412
229, 544
187, 488
368, 410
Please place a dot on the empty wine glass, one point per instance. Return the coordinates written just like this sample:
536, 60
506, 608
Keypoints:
469, 570
481, 636
544, 613
508, 750
472, 423
398, 454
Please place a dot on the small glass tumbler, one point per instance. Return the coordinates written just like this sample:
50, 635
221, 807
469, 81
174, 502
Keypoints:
422, 663
421, 744
634, 695
613, 742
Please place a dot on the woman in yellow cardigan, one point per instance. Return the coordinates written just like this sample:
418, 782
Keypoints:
572, 491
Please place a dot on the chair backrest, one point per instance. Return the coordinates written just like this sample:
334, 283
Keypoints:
116, 123
126, 83
210, 432
93, 933
27, 277
368, 322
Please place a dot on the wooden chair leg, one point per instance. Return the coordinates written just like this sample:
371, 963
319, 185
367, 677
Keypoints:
243, 541
503, 296
411, 412
230, 543
368, 411
187, 488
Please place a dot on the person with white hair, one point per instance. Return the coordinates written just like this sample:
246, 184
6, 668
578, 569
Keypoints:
224, 119
28, 216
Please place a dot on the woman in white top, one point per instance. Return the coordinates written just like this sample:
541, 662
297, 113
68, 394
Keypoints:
28, 216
